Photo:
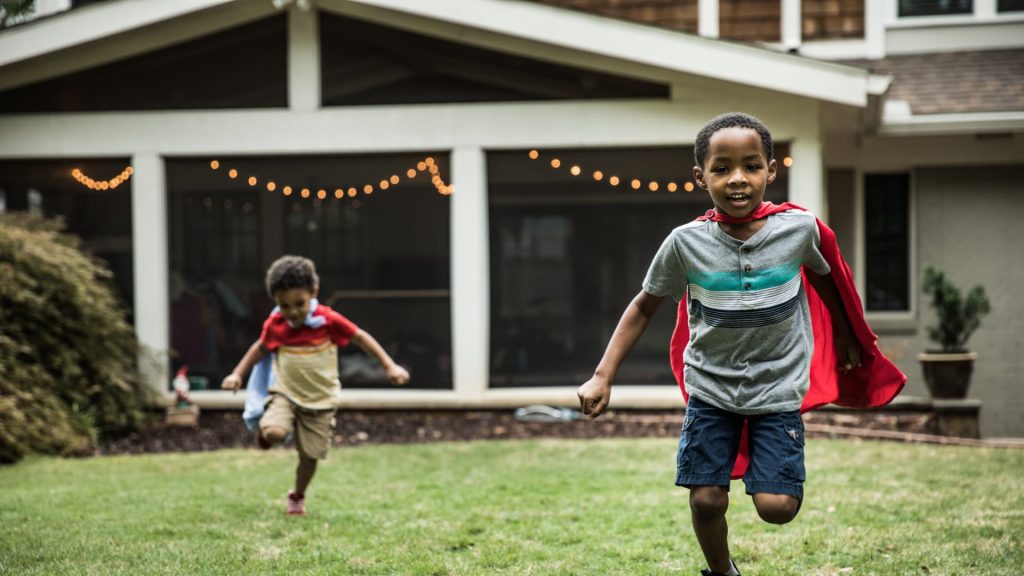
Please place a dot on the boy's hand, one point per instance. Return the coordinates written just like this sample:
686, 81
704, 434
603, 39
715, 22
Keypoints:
397, 375
848, 351
594, 395
232, 382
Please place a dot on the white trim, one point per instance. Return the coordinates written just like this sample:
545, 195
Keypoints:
707, 18
897, 120
791, 34
303, 59
874, 29
470, 273
382, 128
807, 174
150, 267
623, 396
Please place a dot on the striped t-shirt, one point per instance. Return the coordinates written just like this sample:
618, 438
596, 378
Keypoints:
750, 332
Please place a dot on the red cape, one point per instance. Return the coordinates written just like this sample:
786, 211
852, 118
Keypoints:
875, 383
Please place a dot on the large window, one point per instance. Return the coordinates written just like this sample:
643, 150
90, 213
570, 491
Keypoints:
568, 253
102, 218
887, 242
935, 7
382, 257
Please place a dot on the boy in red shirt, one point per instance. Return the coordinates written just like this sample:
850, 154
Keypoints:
304, 337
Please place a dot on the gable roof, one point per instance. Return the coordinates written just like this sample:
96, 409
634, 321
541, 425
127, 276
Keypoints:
531, 29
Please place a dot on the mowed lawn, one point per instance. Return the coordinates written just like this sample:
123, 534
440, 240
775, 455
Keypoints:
511, 507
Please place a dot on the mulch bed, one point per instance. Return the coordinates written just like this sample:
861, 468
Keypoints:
224, 429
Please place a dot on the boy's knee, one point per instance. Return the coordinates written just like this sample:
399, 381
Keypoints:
776, 508
274, 435
708, 503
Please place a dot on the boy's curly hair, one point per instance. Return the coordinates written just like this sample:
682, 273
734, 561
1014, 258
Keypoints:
731, 120
289, 272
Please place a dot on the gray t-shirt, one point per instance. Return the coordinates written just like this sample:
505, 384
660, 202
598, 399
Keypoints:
750, 331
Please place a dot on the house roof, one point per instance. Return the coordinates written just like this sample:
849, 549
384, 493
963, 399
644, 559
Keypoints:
954, 82
545, 31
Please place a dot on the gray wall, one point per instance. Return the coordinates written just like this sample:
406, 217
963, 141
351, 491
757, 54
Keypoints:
969, 223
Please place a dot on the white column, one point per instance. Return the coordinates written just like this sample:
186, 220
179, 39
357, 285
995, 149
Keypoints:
470, 280
791, 33
707, 18
303, 59
874, 29
985, 9
150, 267
807, 174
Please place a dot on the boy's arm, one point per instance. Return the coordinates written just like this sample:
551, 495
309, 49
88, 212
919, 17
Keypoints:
846, 344
396, 374
255, 353
595, 393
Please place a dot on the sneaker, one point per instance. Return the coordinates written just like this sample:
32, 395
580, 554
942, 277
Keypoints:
709, 572
262, 442
296, 504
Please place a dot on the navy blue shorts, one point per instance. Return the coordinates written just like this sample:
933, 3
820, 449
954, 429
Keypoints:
710, 440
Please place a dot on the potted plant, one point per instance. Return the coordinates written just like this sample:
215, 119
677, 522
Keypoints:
947, 370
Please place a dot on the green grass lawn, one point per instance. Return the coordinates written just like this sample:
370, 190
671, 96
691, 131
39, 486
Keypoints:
530, 507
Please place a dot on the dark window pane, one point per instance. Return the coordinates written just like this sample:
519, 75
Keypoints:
382, 258
363, 63
1010, 6
887, 250
101, 218
568, 253
935, 7
244, 67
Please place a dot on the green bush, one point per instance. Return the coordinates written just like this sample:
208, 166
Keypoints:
67, 354
958, 317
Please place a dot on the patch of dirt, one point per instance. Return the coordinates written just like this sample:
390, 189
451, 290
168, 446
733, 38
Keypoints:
224, 429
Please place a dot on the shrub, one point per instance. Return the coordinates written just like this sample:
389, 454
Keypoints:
67, 354
958, 317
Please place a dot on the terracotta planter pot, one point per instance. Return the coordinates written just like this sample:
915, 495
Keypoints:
947, 375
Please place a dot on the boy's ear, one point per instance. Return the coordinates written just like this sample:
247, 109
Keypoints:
316, 290
773, 170
698, 176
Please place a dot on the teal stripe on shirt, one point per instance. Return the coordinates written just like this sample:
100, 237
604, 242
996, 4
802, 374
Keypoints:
734, 281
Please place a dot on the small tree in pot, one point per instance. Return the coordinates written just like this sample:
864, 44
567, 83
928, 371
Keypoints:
947, 371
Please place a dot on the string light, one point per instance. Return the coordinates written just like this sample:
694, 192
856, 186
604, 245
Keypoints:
426, 165
94, 184
634, 183
787, 161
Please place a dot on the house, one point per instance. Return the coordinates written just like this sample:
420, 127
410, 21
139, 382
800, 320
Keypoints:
482, 183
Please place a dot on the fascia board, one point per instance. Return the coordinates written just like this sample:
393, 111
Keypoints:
951, 124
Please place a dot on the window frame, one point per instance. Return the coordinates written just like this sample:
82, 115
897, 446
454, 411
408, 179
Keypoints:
888, 320
984, 12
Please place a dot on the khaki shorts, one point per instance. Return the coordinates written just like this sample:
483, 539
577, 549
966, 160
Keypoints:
311, 428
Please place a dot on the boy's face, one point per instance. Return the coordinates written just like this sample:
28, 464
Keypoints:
294, 304
736, 171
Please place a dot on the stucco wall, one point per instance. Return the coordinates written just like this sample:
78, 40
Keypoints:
968, 223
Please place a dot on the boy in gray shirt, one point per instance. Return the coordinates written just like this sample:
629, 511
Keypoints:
750, 345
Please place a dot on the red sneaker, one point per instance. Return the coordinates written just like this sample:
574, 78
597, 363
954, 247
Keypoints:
296, 504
